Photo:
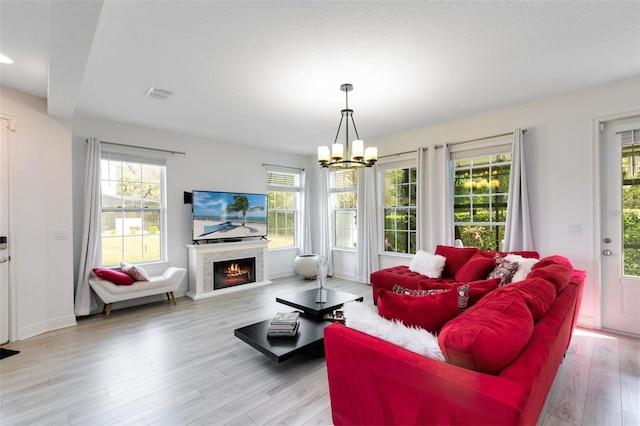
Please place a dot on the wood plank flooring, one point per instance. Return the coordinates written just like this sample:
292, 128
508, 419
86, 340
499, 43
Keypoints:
176, 365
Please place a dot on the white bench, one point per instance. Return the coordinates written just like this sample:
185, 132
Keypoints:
110, 293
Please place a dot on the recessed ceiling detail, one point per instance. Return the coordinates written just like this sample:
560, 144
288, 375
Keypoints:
158, 94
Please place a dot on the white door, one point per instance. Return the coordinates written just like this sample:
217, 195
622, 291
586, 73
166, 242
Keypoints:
620, 233
4, 231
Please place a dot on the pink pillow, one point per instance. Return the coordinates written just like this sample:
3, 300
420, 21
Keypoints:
134, 271
429, 312
476, 268
456, 258
488, 336
115, 277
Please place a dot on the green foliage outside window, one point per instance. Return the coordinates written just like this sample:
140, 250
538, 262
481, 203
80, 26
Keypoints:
281, 219
400, 200
631, 210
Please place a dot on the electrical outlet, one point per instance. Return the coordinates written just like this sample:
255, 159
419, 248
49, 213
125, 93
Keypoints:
60, 234
573, 229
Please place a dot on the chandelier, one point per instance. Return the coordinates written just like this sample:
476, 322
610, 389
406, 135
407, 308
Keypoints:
342, 156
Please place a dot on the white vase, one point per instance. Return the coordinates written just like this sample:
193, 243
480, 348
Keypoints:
305, 266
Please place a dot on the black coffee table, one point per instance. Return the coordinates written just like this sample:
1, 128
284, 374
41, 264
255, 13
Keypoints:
306, 301
310, 336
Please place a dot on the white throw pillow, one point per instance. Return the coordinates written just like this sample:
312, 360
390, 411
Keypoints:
134, 271
428, 264
363, 318
524, 266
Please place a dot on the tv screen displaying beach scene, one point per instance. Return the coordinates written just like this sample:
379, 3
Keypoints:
228, 215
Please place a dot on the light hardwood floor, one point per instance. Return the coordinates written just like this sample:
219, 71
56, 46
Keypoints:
165, 364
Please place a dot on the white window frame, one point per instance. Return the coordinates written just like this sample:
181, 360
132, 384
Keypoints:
296, 188
474, 150
333, 191
162, 209
407, 163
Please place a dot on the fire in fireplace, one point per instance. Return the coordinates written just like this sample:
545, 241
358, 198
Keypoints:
228, 273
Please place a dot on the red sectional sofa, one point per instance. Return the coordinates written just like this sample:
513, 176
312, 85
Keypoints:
502, 355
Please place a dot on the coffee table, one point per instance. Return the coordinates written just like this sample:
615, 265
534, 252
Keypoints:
310, 336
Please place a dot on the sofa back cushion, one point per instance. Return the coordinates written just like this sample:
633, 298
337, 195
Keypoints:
557, 274
537, 293
489, 335
429, 312
456, 258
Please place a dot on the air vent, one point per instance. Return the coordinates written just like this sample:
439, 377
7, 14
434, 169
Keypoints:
158, 94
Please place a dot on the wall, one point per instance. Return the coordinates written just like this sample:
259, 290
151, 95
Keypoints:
41, 267
207, 165
560, 149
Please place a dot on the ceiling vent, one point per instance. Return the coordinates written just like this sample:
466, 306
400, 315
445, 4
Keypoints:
158, 94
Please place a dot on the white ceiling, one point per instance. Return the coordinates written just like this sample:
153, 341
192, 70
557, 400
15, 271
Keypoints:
267, 73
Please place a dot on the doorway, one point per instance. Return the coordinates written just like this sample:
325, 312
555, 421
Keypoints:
5, 305
619, 151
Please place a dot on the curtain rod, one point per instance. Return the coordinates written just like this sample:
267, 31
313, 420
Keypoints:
282, 167
478, 139
401, 153
143, 147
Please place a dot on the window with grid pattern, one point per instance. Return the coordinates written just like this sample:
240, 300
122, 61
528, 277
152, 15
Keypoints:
344, 197
132, 211
283, 201
399, 211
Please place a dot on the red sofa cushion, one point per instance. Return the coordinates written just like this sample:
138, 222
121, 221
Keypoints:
456, 258
429, 312
524, 253
557, 274
476, 268
489, 335
481, 288
537, 293
115, 277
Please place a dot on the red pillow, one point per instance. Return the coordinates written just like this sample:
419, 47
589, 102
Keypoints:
554, 260
488, 336
429, 312
456, 258
556, 274
476, 268
524, 253
115, 277
479, 289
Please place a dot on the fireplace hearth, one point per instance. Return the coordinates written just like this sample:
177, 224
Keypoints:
229, 273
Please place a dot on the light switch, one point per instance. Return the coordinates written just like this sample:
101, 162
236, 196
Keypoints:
60, 235
573, 229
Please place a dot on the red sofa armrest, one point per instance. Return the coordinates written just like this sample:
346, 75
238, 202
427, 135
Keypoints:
372, 381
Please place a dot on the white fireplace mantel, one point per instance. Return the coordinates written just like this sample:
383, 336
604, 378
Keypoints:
201, 258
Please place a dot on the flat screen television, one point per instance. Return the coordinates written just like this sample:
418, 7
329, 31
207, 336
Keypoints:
228, 215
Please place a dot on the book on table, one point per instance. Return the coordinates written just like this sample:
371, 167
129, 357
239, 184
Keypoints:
285, 318
277, 331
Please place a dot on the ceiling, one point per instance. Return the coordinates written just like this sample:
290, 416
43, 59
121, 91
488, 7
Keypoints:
267, 73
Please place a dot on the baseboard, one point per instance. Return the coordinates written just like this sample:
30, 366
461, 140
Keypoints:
46, 326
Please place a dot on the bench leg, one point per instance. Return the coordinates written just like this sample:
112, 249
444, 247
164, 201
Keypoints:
171, 297
106, 310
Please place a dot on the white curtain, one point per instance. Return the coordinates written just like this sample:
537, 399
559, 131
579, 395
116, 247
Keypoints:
518, 235
367, 248
305, 243
326, 225
423, 202
85, 302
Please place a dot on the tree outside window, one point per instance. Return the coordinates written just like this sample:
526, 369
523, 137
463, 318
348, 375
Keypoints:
481, 189
400, 200
283, 192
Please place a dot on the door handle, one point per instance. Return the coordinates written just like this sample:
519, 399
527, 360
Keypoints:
3, 260
606, 252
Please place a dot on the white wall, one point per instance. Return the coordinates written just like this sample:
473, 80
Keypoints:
207, 165
560, 149
41, 267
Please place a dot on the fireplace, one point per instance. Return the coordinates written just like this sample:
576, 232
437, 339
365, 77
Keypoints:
229, 273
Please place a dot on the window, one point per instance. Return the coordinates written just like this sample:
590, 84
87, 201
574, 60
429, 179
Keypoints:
344, 197
283, 205
132, 211
631, 202
481, 189
399, 211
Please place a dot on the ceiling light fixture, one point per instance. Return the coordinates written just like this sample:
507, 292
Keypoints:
5, 59
341, 157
